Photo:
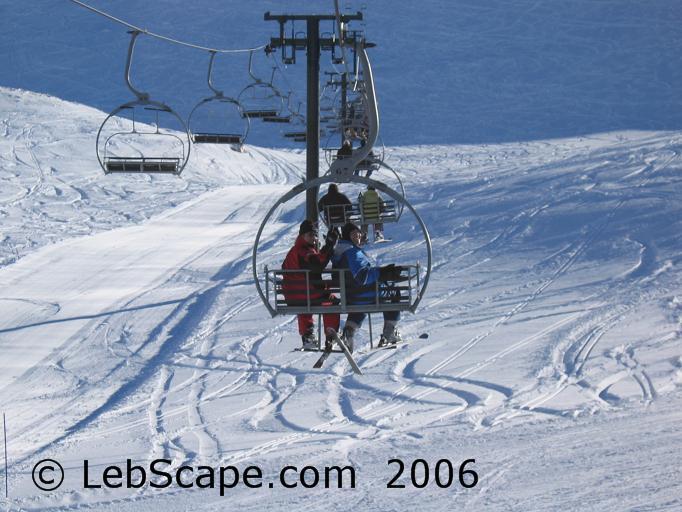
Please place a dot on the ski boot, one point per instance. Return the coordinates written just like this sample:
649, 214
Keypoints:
310, 341
347, 337
330, 338
390, 336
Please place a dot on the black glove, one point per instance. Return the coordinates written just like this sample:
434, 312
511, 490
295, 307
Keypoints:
390, 272
332, 236
387, 272
330, 240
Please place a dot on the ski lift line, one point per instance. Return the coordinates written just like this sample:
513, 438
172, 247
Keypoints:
162, 37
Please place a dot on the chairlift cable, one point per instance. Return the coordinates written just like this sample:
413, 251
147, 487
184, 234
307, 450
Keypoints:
162, 37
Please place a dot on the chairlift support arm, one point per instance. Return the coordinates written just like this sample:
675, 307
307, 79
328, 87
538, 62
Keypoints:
142, 96
218, 93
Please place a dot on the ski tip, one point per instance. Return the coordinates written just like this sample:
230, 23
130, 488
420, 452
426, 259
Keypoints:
424, 335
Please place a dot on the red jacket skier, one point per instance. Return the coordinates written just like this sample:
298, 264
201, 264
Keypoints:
304, 255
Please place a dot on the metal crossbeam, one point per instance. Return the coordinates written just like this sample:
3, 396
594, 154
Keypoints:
282, 18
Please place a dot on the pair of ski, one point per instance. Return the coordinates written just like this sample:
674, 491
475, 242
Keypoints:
344, 349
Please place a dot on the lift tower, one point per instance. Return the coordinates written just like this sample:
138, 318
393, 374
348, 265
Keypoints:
313, 44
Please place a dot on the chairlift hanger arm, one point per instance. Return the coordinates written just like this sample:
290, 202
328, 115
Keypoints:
141, 96
254, 77
218, 93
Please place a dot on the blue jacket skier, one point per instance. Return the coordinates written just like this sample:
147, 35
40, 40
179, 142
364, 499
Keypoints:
365, 283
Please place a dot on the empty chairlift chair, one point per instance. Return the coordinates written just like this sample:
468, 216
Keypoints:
218, 119
135, 137
261, 100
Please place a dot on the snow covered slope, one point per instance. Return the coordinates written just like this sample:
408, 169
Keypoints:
554, 321
51, 186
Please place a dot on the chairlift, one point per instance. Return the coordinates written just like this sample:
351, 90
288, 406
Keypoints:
374, 163
281, 117
124, 140
387, 211
236, 137
327, 100
298, 129
261, 100
408, 289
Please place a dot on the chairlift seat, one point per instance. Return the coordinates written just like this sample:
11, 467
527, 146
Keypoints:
400, 297
217, 138
259, 114
141, 165
295, 135
276, 119
355, 213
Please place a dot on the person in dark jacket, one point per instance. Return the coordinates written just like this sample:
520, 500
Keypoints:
363, 282
304, 255
333, 205
346, 149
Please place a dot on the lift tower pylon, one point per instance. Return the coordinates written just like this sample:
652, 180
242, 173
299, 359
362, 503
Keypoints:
313, 45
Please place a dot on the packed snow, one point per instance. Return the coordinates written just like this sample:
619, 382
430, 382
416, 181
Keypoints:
553, 319
545, 356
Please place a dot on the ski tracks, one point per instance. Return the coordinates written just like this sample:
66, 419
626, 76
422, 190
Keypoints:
404, 369
378, 412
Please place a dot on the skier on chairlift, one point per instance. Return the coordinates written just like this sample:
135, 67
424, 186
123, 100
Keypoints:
305, 255
361, 285
346, 149
371, 206
333, 205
